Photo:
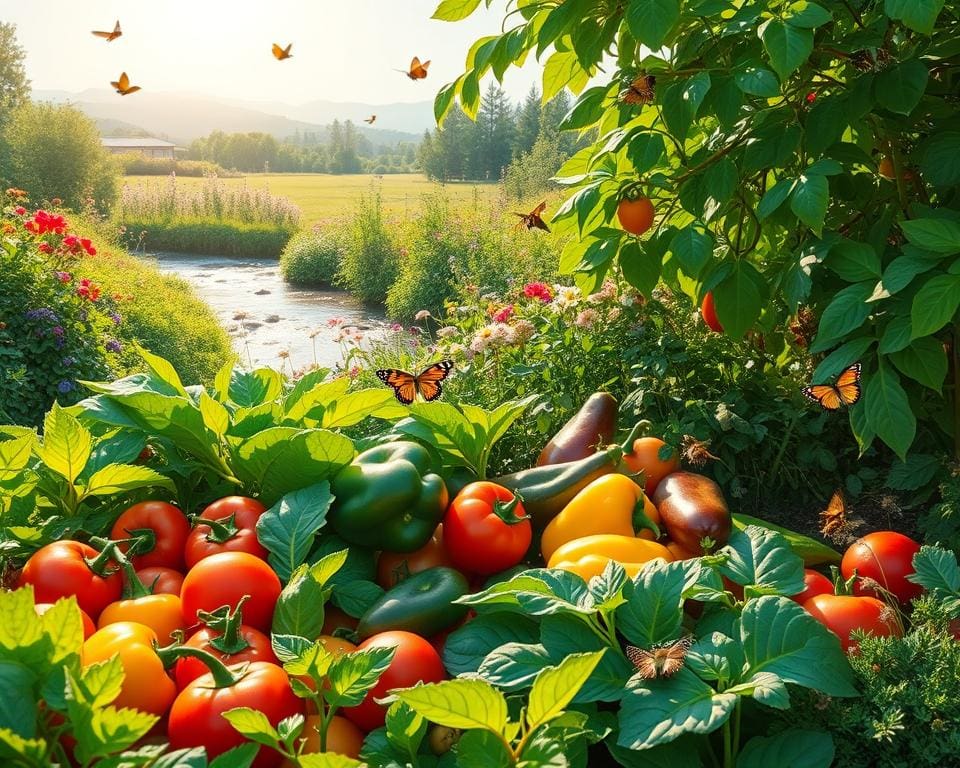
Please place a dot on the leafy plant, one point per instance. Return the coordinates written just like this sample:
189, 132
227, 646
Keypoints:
311, 258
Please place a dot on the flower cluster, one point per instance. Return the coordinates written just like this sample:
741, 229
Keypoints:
89, 290
43, 222
539, 291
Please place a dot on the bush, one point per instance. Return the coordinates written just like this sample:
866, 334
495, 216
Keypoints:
54, 152
213, 237
531, 173
136, 164
311, 258
370, 259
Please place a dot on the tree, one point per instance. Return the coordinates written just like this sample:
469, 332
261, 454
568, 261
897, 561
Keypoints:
14, 86
493, 138
527, 122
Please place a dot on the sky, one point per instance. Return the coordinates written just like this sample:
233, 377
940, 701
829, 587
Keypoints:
343, 50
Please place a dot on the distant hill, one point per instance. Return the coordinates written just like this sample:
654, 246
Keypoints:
185, 117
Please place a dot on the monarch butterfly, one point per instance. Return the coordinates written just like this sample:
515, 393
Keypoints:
369, 120
417, 70
640, 91
834, 517
532, 219
282, 53
123, 86
845, 392
406, 386
661, 661
108, 36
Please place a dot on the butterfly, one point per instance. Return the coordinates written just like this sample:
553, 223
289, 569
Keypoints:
660, 661
123, 85
834, 518
532, 219
640, 91
406, 386
282, 53
417, 70
369, 120
845, 392
110, 35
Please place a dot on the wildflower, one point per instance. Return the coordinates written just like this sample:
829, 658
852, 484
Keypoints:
68, 361
448, 332
357, 336
538, 291
20, 210
116, 317
8, 228
16, 193
113, 346
414, 331
607, 292
57, 202
523, 331
314, 333
354, 371
586, 318
88, 290
566, 296
87, 245
504, 314
45, 248
613, 314
72, 242
44, 314
481, 339
57, 330
396, 327
696, 452
65, 386
63, 277
423, 314
284, 354
335, 322
43, 222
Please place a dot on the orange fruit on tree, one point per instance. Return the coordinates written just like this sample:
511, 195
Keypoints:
635, 216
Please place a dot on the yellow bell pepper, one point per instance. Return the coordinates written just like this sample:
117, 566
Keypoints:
588, 556
610, 504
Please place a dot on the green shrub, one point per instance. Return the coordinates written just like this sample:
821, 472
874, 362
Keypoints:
311, 257
232, 238
136, 164
370, 259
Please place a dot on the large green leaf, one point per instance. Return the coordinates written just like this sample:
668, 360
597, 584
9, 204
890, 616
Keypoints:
811, 551
459, 704
121, 478
250, 388
681, 102
787, 46
900, 88
757, 81
737, 299
650, 21
652, 612
640, 267
940, 161
935, 304
455, 10
937, 235
66, 444
299, 609
288, 528
693, 248
924, 360
918, 15
854, 261
807, 15
513, 666
554, 687
795, 748
465, 648
847, 312
888, 410
563, 635
760, 560
809, 200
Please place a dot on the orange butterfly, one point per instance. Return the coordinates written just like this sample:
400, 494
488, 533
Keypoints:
282, 53
845, 392
640, 91
406, 386
834, 518
369, 120
532, 219
417, 70
660, 661
123, 85
110, 35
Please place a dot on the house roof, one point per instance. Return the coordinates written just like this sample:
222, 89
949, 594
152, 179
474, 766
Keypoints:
139, 143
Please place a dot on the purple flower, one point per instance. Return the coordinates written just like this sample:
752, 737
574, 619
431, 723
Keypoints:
115, 316
68, 361
113, 345
44, 314
58, 330
65, 386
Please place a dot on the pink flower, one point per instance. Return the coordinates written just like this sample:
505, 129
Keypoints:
538, 291
334, 322
63, 277
504, 314
586, 318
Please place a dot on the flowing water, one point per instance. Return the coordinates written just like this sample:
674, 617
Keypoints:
266, 316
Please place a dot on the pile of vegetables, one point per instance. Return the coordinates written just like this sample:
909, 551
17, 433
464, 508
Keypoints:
392, 604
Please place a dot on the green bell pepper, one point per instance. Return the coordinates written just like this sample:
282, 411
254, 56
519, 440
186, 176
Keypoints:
388, 498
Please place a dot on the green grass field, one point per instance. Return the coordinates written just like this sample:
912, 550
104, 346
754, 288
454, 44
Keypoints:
322, 196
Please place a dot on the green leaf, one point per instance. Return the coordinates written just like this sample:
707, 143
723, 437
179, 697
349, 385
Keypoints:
757, 81
18, 703
645, 151
658, 711
513, 666
918, 15
811, 551
455, 10
807, 15
940, 159
650, 21
64, 627
554, 688
586, 110
825, 124
681, 103
715, 657
900, 272
465, 648
937, 235
652, 612
778, 636
900, 88
935, 305
288, 528
775, 197
760, 560
564, 635
458, 704
15, 455
483, 749
843, 356
66, 444
737, 299
12, 746
924, 360
252, 724
795, 748
251, 388
352, 675
809, 200
693, 249
787, 46
918, 470
847, 312
238, 757
766, 688
443, 101
888, 410
299, 609
327, 760
162, 370
896, 335
356, 596
854, 261
936, 569
559, 70
215, 416
353, 407
640, 268
405, 729
111, 730
121, 478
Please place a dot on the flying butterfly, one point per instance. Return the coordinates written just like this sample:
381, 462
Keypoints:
370, 120
845, 392
640, 91
660, 661
406, 386
417, 70
834, 518
109, 36
533, 219
123, 86
282, 53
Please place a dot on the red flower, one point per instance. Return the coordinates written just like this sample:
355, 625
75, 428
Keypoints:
88, 290
20, 210
504, 314
43, 222
538, 291
88, 246
811, 97
45, 248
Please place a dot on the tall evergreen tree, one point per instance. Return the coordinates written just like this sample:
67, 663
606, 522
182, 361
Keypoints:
493, 141
527, 122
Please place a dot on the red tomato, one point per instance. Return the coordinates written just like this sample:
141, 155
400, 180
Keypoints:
163, 522
486, 529
88, 626
196, 715
394, 567
709, 313
61, 569
415, 661
255, 647
239, 514
815, 583
223, 579
887, 558
842, 614
161, 581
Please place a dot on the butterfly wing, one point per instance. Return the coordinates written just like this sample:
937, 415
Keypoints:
124, 82
131, 89
102, 34
428, 382
539, 209
671, 657
825, 395
404, 384
643, 661
278, 52
848, 385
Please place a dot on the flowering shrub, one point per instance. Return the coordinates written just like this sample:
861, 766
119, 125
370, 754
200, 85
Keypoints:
55, 328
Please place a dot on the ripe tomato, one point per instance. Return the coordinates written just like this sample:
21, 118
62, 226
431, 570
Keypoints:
842, 614
709, 313
239, 515
394, 567
196, 715
415, 661
343, 738
486, 529
61, 569
253, 645
88, 626
162, 613
815, 583
645, 457
887, 558
223, 579
161, 581
164, 523
635, 216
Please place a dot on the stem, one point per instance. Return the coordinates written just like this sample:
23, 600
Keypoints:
132, 586
712, 159
639, 430
229, 624
775, 467
736, 727
727, 751
223, 676
221, 531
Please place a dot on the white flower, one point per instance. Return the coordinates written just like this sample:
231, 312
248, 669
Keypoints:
423, 314
565, 296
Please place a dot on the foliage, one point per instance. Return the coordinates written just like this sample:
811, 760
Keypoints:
54, 152
14, 86
761, 152
229, 238
137, 164
370, 260
941, 522
311, 257
532, 172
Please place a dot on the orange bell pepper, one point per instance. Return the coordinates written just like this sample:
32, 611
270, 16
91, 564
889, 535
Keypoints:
588, 556
611, 504
161, 612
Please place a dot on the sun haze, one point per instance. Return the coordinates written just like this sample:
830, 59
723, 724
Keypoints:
344, 51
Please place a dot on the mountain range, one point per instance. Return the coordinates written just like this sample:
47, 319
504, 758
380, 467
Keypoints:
183, 117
